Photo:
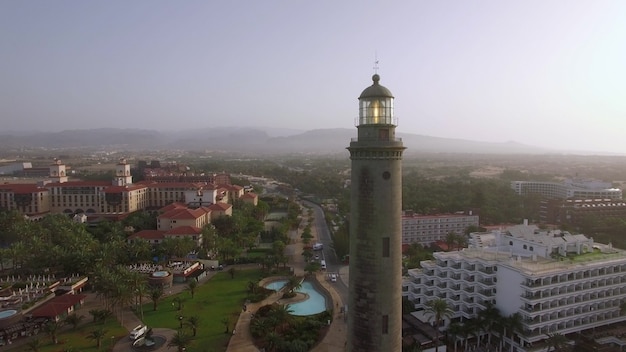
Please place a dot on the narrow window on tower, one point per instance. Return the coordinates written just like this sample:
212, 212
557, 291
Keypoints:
385, 247
385, 324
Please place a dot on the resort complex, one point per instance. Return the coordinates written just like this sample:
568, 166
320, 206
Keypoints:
553, 280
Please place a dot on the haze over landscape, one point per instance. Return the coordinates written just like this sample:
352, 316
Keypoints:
545, 74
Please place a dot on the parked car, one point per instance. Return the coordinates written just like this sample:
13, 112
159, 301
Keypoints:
138, 332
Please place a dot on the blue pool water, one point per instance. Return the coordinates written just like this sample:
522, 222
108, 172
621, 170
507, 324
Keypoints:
316, 303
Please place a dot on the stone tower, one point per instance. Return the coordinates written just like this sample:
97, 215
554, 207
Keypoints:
375, 299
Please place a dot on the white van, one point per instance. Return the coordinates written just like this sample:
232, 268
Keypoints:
323, 263
318, 247
138, 332
333, 277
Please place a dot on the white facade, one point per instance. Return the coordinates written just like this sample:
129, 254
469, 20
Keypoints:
556, 281
426, 229
572, 188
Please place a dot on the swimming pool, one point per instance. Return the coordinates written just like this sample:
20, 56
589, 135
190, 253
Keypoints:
316, 303
7, 313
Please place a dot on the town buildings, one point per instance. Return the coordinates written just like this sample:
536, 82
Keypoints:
576, 211
426, 229
556, 281
375, 299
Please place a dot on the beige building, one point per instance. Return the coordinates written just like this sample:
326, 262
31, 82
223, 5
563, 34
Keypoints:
117, 198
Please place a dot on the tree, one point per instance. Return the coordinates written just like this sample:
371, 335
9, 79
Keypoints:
155, 295
556, 342
490, 316
438, 310
454, 331
193, 322
226, 323
74, 320
513, 324
294, 283
97, 335
180, 341
179, 302
34, 345
52, 328
282, 315
191, 286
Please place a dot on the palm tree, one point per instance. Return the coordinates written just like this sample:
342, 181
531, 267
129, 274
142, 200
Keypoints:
193, 322
281, 316
513, 324
272, 340
556, 341
97, 335
259, 327
490, 316
155, 295
179, 302
74, 320
52, 328
454, 331
294, 283
180, 341
438, 310
34, 345
191, 287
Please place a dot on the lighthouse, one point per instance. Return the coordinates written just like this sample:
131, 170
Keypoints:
375, 292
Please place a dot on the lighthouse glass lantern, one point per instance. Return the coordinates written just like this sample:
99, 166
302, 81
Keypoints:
376, 105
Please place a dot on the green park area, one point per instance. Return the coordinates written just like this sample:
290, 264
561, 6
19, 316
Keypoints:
214, 308
215, 305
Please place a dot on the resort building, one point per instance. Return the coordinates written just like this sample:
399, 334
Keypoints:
119, 197
568, 189
576, 211
426, 229
558, 282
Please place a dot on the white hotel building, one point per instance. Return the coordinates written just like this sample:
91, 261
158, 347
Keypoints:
581, 288
426, 229
568, 189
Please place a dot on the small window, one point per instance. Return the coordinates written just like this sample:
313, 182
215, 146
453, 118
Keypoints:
525, 247
385, 324
531, 248
385, 247
510, 243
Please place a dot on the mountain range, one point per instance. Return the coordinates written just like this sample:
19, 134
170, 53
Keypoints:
245, 139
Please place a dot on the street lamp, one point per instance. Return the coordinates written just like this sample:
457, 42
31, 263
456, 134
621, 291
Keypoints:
180, 320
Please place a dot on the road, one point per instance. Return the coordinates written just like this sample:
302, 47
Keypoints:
333, 264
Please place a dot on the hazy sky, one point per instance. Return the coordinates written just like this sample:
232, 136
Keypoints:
544, 73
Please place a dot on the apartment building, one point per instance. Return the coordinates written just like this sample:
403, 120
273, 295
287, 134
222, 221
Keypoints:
426, 229
556, 281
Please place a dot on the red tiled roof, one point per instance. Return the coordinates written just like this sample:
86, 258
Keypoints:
184, 213
232, 187
184, 230
57, 305
171, 184
172, 206
79, 183
23, 188
220, 206
119, 189
148, 235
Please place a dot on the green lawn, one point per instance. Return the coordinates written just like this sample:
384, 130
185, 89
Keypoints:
220, 297
76, 340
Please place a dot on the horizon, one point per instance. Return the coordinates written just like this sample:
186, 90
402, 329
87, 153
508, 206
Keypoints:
549, 75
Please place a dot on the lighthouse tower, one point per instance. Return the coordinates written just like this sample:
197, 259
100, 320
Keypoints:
375, 292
